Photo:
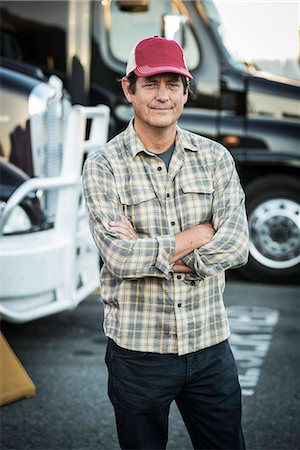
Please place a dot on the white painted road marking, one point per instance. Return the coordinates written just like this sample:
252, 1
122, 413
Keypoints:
252, 329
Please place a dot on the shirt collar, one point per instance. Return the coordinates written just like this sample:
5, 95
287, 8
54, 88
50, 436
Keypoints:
134, 145
184, 140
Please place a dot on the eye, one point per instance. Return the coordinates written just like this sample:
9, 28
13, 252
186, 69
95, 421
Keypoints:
150, 84
174, 84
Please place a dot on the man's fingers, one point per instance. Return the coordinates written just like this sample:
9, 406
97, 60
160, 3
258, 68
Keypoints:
124, 229
124, 222
125, 219
121, 227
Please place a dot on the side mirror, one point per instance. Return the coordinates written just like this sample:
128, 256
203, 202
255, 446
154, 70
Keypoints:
173, 27
134, 5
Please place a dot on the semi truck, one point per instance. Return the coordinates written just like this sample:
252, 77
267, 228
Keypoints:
256, 115
49, 262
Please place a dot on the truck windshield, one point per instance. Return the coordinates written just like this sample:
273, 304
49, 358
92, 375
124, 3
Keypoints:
220, 32
135, 25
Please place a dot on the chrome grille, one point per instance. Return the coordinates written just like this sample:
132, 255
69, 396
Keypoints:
56, 117
53, 159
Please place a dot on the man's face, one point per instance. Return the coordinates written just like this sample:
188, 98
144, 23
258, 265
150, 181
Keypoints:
158, 100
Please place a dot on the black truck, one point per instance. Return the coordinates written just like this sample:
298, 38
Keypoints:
254, 114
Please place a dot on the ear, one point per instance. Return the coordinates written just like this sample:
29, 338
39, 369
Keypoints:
125, 87
185, 97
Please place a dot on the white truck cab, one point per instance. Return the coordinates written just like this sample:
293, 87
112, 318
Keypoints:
49, 262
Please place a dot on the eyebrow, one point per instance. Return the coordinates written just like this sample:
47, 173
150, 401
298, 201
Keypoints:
173, 76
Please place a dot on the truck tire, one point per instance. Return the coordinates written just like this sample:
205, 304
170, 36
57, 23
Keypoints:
273, 205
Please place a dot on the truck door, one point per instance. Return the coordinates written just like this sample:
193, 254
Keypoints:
119, 25
233, 87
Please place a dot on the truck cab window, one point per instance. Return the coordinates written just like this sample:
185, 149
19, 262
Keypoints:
135, 25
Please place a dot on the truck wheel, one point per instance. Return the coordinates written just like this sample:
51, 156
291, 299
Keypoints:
273, 205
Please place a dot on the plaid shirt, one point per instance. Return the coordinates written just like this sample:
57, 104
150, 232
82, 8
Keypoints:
148, 307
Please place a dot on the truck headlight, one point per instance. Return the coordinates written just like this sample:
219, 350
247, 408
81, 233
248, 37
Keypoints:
18, 221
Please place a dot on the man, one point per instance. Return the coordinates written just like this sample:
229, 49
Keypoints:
166, 211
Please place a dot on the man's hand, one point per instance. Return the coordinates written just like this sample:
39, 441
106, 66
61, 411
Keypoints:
124, 229
180, 267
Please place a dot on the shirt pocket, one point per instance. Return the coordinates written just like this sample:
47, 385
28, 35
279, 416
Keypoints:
141, 206
194, 203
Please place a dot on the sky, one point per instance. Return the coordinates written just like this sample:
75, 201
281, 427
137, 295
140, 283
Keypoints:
276, 25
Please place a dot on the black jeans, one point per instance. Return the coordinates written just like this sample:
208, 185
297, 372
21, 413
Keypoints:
204, 385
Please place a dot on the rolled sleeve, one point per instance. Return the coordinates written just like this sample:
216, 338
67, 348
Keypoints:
165, 254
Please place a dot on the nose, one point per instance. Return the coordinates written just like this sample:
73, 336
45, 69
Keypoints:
162, 94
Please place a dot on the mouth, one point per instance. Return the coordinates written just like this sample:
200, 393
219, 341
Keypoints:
161, 109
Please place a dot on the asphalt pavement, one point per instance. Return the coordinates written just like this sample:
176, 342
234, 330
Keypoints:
64, 356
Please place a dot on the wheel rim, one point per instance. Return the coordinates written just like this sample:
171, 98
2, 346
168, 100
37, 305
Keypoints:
274, 227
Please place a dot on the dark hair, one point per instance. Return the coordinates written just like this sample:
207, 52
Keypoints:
132, 78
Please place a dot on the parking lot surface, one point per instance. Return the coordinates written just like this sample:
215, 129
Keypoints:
64, 356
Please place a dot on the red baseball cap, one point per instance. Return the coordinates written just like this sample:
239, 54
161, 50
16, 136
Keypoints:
156, 55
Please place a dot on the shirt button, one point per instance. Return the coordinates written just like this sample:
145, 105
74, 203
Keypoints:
178, 277
173, 223
159, 168
179, 305
193, 283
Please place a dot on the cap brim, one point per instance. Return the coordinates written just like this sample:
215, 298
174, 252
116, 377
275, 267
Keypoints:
147, 71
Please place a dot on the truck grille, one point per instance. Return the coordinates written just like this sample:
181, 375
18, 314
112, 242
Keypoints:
55, 126
53, 155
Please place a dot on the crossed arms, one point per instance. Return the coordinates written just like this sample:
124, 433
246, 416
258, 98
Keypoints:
185, 241
204, 249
